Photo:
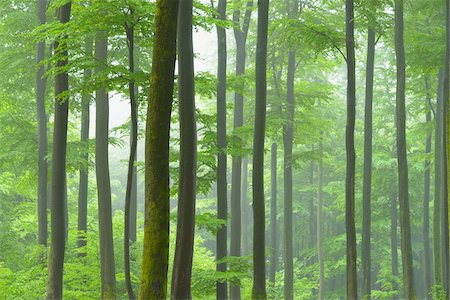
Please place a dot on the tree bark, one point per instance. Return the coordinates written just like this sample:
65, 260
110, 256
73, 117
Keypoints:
129, 29
240, 33
108, 274
58, 241
273, 214
222, 205
426, 201
367, 181
156, 228
184, 249
259, 268
394, 238
438, 183
320, 256
405, 227
245, 205
350, 149
41, 83
288, 134
84, 172
312, 215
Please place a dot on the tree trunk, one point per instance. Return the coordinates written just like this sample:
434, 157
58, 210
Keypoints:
367, 182
438, 183
288, 133
184, 249
108, 274
259, 268
426, 202
130, 176
240, 33
156, 229
222, 205
58, 242
41, 83
320, 256
350, 149
244, 203
312, 216
394, 238
273, 214
403, 197
84, 178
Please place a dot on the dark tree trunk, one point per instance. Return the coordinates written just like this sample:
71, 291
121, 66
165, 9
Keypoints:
288, 134
445, 222
83, 188
222, 205
438, 183
58, 241
259, 268
367, 182
41, 83
350, 149
320, 256
240, 33
273, 214
312, 215
157, 205
426, 202
108, 274
403, 197
245, 205
129, 28
184, 249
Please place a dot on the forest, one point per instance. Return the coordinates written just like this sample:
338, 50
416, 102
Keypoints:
240, 149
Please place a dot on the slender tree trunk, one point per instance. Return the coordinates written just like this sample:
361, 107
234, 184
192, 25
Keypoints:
273, 214
83, 188
320, 221
108, 273
130, 176
184, 249
222, 205
244, 203
58, 242
426, 202
312, 215
438, 183
350, 148
405, 227
367, 182
240, 33
394, 238
41, 83
156, 229
445, 211
288, 133
259, 268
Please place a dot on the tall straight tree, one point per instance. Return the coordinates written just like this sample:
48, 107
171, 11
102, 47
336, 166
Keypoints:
273, 213
259, 216
129, 30
427, 252
350, 149
320, 256
84, 137
403, 197
184, 248
446, 119
58, 241
367, 181
438, 183
222, 206
41, 83
155, 259
245, 208
108, 273
288, 137
240, 34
